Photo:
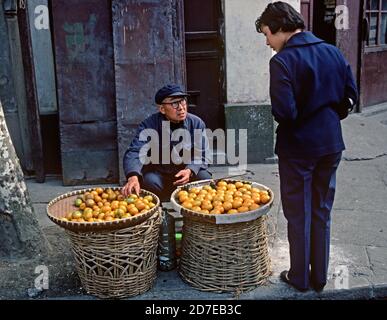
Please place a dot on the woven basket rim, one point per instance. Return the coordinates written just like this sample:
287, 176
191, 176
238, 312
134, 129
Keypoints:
216, 218
99, 226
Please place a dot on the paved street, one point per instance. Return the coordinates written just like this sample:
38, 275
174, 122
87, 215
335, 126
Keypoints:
358, 240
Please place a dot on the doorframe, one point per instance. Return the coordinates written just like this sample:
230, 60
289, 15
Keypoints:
33, 115
223, 73
363, 31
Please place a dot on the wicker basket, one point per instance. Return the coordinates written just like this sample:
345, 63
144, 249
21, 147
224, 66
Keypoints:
60, 206
118, 264
114, 259
224, 253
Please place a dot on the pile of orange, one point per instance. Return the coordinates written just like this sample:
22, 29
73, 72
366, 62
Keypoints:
222, 198
100, 205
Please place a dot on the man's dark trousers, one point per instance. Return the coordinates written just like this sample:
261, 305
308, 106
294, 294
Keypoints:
161, 184
307, 193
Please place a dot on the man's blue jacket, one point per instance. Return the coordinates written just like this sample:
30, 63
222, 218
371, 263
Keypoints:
307, 77
194, 142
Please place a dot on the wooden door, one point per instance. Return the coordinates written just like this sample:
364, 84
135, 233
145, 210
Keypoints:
203, 20
373, 77
149, 53
82, 34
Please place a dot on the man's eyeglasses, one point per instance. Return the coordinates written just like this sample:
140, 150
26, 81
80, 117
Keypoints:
176, 104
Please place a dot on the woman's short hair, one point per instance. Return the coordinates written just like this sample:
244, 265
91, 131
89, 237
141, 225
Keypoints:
280, 16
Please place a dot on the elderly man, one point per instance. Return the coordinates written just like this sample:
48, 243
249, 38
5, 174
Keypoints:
170, 168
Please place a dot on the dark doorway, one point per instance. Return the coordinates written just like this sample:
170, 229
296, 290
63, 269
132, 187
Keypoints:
204, 60
324, 21
49, 126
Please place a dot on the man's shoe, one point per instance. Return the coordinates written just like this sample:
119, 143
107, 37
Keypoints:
284, 277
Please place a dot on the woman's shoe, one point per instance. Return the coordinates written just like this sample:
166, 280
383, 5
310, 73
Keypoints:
284, 277
318, 287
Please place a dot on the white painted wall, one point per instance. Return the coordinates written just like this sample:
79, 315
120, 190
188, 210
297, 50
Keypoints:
247, 56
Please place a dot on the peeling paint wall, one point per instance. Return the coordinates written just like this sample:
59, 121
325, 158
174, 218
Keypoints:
247, 56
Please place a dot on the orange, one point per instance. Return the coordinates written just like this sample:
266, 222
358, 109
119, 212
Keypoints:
254, 206
183, 198
123, 208
90, 203
208, 197
194, 190
218, 198
89, 196
87, 215
196, 203
219, 208
139, 205
114, 205
206, 205
99, 190
112, 196
182, 192
243, 209
149, 198
239, 184
231, 186
105, 209
133, 211
76, 215
265, 198
192, 195
227, 205
222, 183
187, 204
207, 188
217, 203
236, 204
247, 186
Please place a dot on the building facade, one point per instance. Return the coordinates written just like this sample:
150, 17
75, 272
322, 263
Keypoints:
95, 65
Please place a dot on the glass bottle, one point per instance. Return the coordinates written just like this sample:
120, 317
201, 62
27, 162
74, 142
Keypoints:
167, 242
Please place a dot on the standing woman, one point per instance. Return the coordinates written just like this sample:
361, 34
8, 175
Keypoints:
308, 78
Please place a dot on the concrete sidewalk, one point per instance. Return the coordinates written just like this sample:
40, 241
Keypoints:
358, 264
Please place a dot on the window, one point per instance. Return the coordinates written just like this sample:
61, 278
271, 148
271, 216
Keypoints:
376, 13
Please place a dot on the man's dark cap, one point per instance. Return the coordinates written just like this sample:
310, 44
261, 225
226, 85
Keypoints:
170, 90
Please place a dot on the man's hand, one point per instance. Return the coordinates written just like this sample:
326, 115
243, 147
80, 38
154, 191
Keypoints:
131, 185
184, 176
